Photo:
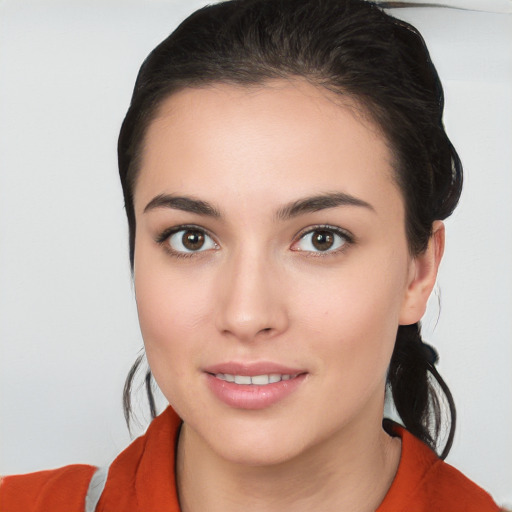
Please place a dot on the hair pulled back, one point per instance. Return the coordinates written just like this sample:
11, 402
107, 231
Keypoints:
352, 48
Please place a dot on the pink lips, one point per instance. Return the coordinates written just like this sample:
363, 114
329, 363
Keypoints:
249, 395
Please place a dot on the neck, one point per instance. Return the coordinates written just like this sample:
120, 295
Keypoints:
350, 471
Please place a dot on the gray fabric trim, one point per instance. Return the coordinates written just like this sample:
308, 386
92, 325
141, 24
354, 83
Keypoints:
96, 486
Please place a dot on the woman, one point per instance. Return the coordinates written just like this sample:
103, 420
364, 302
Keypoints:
285, 173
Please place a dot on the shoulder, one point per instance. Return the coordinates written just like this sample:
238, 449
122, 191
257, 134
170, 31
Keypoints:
141, 478
424, 482
58, 490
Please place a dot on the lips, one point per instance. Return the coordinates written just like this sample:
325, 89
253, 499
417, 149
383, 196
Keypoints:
252, 369
256, 380
254, 385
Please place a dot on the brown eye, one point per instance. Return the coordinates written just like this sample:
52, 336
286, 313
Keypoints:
190, 240
322, 240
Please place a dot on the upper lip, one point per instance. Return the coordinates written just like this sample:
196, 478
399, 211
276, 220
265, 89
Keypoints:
252, 368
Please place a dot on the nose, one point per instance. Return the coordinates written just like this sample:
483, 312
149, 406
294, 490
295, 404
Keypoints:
252, 299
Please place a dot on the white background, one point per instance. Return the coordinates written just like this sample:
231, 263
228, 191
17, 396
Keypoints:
68, 327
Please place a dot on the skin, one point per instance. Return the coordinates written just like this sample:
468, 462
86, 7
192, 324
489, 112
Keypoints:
259, 291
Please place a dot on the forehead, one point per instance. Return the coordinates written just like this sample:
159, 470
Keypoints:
278, 139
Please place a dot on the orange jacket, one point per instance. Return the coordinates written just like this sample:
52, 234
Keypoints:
141, 479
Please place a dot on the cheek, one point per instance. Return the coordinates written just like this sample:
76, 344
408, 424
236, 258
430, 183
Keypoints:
171, 315
353, 315
353, 352
362, 295
170, 321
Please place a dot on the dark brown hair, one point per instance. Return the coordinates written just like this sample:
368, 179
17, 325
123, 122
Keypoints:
355, 49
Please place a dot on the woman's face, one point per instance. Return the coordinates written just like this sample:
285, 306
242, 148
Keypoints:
270, 250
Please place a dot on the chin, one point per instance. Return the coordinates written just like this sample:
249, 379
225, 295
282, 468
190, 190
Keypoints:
258, 453
253, 441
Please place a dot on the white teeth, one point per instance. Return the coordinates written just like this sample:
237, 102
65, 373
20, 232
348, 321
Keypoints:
260, 380
257, 380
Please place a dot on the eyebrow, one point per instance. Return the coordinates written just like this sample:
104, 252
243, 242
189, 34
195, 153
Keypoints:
293, 209
320, 202
186, 204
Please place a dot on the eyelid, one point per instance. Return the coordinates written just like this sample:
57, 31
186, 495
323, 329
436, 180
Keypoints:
343, 233
166, 234
327, 227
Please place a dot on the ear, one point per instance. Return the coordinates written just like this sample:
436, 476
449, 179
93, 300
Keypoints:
422, 277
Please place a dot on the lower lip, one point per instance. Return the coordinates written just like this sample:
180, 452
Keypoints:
251, 396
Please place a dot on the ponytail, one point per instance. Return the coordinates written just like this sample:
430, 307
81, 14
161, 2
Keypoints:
418, 390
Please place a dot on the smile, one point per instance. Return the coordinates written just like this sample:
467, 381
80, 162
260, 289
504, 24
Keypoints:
256, 380
254, 391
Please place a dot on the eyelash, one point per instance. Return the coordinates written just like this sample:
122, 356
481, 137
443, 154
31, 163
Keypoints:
348, 239
164, 237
